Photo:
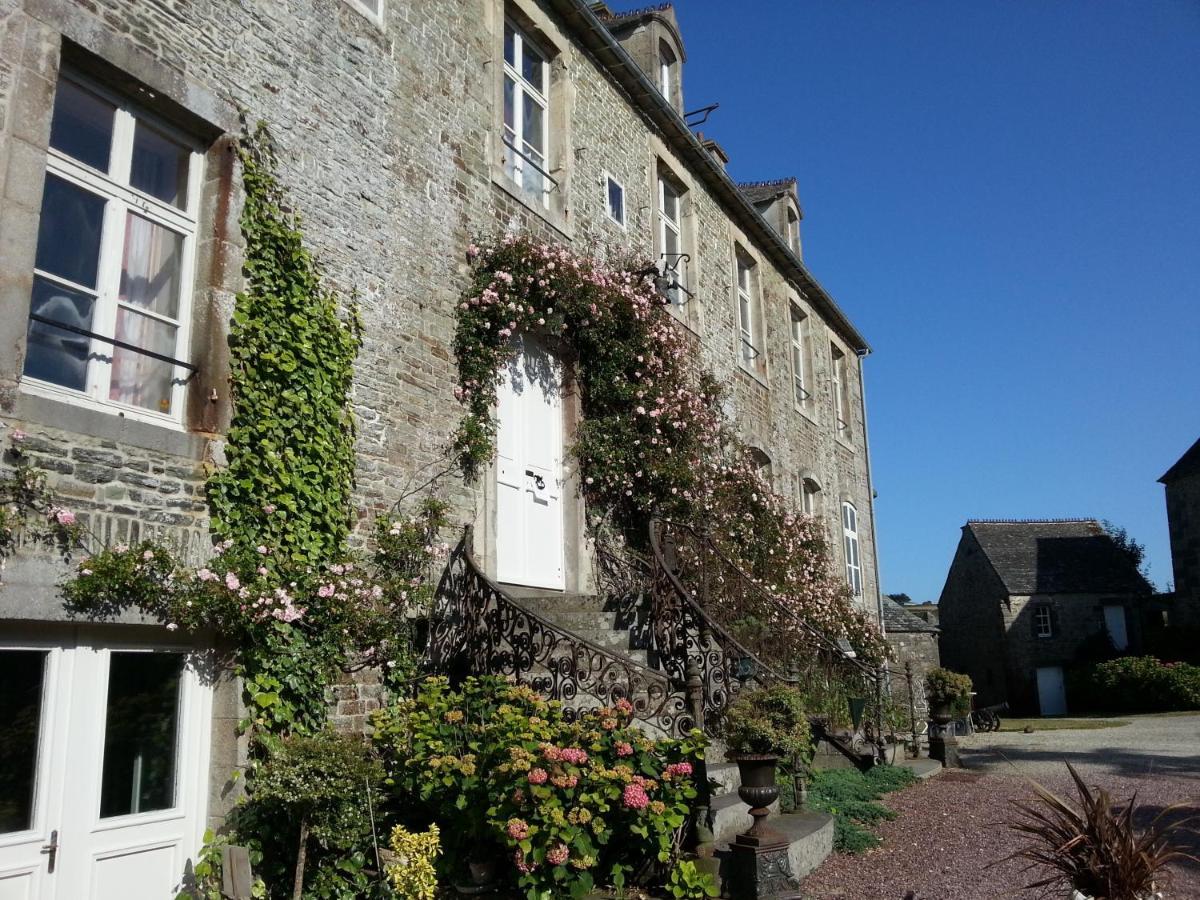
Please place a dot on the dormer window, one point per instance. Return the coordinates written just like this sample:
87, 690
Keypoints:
793, 231
666, 71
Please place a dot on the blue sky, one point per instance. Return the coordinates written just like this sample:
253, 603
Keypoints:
1005, 197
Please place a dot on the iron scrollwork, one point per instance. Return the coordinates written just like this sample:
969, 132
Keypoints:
477, 628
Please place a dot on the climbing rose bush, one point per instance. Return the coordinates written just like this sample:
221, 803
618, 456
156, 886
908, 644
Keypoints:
252, 596
565, 805
653, 439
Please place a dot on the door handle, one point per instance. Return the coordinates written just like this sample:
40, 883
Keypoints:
51, 850
537, 479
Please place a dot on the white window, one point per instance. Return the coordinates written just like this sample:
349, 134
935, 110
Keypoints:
750, 354
809, 496
1043, 625
850, 548
841, 409
666, 68
670, 236
372, 9
526, 115
793, 231
801, 366
614, 200
111, 305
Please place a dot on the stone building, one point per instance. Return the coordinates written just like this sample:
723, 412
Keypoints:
1023, 598
120, 255
1182, 483
913, 645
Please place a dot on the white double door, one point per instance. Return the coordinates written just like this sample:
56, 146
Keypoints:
103, 764
529, 471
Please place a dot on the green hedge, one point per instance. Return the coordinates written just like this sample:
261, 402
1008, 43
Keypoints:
1135, 684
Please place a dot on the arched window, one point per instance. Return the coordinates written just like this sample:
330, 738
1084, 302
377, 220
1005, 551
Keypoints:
810, 497
850, 547
762, 464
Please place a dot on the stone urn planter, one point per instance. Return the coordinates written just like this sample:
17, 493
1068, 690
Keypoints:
759, 788
942, 713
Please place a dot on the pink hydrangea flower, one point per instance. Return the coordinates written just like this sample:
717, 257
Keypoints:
635, 797
518, 829
574, 755
624, 748
538, 776
558, 855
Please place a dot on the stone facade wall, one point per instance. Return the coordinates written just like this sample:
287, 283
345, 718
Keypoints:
388, 149
917, 648
972, 622
1183, 520
1077, 620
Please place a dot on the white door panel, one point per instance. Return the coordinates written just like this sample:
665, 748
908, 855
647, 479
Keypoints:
529, 526
1052, 694
120, 782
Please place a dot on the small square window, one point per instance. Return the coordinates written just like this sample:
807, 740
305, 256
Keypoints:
614, 200
1043, 626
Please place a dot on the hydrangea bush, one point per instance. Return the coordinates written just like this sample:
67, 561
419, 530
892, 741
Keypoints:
565, 805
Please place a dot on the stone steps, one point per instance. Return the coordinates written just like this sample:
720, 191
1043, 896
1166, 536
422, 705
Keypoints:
809, 837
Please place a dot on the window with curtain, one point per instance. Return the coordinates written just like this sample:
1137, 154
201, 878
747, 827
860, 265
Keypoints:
526, 114
111, 298
850, 548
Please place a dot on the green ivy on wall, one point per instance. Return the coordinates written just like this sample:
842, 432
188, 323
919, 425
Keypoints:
290, 448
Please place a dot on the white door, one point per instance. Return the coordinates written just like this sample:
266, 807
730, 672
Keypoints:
103, 765
529, 514
1052, 693
1114, 621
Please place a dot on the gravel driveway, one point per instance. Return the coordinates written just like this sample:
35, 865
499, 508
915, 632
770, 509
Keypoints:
949, 828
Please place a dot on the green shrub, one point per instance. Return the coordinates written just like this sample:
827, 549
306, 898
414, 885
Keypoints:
770, 720
945, 687
565, 805
850, 796
310, 797
1136, 684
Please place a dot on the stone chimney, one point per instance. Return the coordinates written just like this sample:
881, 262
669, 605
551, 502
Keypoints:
714, 150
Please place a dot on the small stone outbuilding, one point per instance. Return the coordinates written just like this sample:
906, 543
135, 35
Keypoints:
1024, 599
911, 640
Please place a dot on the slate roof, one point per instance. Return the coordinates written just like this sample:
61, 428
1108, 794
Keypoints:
1188, 464
898, 619
759, 191
1061, 556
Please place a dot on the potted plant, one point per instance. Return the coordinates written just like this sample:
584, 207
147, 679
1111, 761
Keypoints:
1093, 849
761, 727
948, 694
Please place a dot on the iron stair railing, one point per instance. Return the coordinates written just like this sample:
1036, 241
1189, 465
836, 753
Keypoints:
477, 628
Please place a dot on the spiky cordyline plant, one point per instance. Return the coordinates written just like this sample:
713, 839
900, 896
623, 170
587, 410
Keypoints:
1095, 847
